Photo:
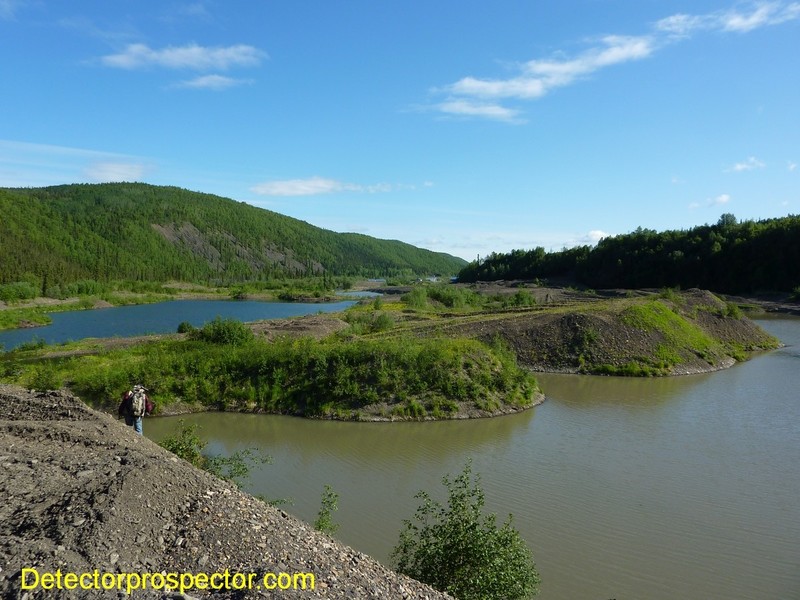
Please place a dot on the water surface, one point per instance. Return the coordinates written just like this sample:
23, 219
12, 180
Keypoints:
163, 317
653, 489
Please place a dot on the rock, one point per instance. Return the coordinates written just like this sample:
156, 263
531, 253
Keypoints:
103, 522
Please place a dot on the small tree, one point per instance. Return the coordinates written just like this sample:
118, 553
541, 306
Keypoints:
459, 550
188, 445
324, 522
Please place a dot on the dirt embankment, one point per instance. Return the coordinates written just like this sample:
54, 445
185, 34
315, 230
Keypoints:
691, 332
81, 492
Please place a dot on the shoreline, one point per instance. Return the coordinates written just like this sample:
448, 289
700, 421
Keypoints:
539, 398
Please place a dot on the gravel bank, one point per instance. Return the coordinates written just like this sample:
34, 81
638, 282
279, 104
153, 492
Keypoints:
81, 492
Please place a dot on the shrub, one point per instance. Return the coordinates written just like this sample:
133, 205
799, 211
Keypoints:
224, 331
324, 522
187, 445
186, 327
21, 290
416, 298
456, 549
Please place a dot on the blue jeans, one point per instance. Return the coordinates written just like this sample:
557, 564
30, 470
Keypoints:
135, 422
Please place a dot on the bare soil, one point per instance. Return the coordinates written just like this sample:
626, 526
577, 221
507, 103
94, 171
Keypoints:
80, 491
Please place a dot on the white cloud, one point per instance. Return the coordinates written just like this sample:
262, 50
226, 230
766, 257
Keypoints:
770, 13
761, 14
791, 166
213, 82
682, 25
469, 108
315, 186
748, 165
721, 199
717, 201
191, 56
106, 172
536, 78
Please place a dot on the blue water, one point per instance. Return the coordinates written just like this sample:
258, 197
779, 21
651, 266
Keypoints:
164, 317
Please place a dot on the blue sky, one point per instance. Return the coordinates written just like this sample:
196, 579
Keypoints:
465, 127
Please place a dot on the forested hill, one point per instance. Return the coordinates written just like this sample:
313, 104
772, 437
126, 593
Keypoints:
729, 256
152, 233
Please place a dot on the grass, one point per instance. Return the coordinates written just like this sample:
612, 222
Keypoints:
680, 335
328, 378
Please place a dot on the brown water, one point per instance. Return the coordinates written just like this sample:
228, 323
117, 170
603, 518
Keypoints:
684, 487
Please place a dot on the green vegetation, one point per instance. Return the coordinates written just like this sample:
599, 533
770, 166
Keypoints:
52, 238
187, 444
223, 366
324, 522
459, 550
448, 298
730, 256
12, 318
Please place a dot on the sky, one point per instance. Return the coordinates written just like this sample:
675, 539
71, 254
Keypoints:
464, 127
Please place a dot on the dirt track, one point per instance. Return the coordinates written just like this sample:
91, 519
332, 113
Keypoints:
80, 491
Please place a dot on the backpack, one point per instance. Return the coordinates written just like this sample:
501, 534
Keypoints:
138, 403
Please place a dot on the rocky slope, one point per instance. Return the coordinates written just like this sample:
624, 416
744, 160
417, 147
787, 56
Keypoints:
81, 492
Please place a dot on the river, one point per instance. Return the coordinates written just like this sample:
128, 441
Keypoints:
657, 489
162, 317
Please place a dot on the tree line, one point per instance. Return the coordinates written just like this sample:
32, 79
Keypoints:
729, 257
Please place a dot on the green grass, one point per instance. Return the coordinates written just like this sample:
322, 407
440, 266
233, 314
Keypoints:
13, 318
680, 334
329, 378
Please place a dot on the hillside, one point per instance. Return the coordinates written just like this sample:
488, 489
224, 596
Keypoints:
80, 491
729, 257
141, 232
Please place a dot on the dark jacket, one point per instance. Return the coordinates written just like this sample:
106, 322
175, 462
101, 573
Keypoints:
124, 409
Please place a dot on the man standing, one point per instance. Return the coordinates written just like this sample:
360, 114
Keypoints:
134, 406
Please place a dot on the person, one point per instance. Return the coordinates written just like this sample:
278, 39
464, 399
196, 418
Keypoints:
134, 406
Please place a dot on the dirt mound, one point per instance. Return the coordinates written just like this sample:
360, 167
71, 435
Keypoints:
81, 492
688, 332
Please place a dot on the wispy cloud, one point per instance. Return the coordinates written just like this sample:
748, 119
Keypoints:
213, 82
107, 172
24, 164
191, 56
469, 108
9, 7
315, 186
791, 166
720, 200
538, 77
481, 97
747, 165
193, 10
770, 13
593, 236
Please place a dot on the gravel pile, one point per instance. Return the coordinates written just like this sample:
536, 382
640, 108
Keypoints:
83, 494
